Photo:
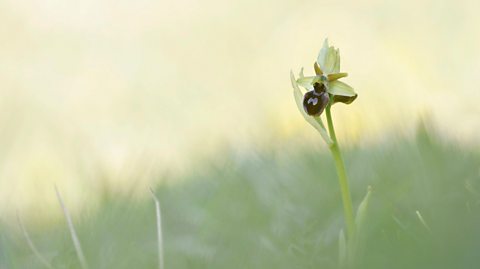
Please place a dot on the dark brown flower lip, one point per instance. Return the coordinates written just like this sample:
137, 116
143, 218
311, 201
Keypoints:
314, 103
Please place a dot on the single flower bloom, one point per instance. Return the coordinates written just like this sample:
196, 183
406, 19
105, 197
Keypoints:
325, 85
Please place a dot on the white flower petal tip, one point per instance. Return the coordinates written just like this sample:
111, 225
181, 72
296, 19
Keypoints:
329, 59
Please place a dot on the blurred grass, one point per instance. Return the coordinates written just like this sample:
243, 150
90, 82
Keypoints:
129, 85
104, 98
281, 208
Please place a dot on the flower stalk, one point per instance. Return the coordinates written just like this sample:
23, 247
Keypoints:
342, 176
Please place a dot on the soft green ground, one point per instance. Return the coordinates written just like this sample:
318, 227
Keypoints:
280, 208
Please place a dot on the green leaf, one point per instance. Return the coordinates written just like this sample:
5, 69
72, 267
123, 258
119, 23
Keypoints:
362, 210
339, 88
316, 122
322, 55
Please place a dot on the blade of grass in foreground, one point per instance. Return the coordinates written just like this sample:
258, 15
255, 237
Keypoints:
31, 245
422, 220
76, 241
159, 230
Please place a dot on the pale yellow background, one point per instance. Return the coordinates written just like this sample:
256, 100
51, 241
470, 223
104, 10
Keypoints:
96, 93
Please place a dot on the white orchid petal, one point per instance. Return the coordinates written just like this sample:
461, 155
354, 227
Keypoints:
339, 88
307, 82
322, 55
330, 61
300, 75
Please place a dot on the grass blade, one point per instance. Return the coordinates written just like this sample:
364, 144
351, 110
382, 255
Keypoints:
31, 245
362, 211
159, 230
422, 220
76, 241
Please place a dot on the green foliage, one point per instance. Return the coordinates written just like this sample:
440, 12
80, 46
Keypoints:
281, 208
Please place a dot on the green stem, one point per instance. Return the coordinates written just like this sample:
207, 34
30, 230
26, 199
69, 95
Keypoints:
342, 177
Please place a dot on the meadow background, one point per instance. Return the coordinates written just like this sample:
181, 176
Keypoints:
108, 98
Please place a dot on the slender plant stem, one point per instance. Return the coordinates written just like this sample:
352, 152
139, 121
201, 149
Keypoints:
342, 177
73, 233
159, 230
32, 245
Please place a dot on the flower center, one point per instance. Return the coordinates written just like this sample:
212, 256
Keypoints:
319, 88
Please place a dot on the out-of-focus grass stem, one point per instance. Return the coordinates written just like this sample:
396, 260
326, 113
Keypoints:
76, 241
31, 245
422, 220
159, 230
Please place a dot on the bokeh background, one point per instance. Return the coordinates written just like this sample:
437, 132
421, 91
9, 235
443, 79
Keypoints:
113, 97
